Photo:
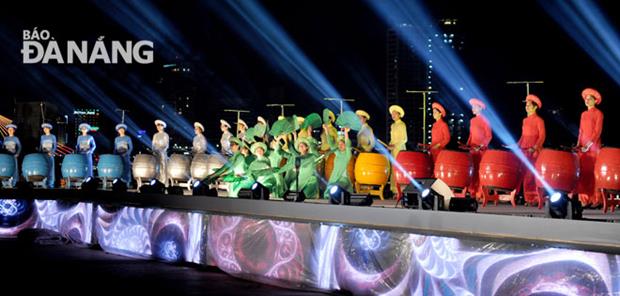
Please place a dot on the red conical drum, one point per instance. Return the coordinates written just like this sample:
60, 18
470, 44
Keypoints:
455, 168
500, 169
416, 164
607, 169
560, 169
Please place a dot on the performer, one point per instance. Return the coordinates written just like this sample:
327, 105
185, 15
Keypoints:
365, 136
308, 161
123, 147
48, 146
589, 145
339, 176
160, 143
199, 145
531, 142
13, 146
242, 127
480, 135
225, 139
440, 133
330, 132
86, 146
398, 139
260, 171
261, 128
233, 170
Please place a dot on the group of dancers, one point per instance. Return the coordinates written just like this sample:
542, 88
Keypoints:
287, 156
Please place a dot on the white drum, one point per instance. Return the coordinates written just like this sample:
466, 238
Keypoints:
145, 167
178, 167
205, 164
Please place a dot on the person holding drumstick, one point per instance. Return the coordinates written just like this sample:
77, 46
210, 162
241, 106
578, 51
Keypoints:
589, 145
532, 138
398, 139
440, 133
480, 135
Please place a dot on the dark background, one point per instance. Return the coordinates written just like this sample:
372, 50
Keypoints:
346, 40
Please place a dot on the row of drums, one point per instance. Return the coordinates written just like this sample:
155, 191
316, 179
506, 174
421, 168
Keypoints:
499, 169
35, 166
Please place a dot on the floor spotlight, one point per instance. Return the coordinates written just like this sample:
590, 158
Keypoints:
153, 187
203, 189
463, 204
24, 187
119, 186
90, 184
259, 191
429, 194
561, 206
338, 195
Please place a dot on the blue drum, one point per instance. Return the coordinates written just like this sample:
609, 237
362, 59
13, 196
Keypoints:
74, 166
35, 166
7, 166
110, 166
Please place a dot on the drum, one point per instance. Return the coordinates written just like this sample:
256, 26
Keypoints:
329, 167
74, 166
607, 176
110, 166
178, 167
560, 169
455, 168
372, 169
7, 166
35, 167
145, 166
500, 170
415, 164
205, 164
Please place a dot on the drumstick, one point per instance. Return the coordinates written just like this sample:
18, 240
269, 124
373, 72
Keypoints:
383, 143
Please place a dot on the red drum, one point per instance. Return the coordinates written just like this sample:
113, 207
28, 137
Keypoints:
455, 168
500, 169
416, 164
607, 175
560, 169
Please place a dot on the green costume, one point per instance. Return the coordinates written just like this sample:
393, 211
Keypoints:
236, 166
275, 157
339, 175
308, 181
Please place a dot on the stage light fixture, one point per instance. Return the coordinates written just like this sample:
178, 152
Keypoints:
561, 206
340, 196
90, 184
153, 187
430, 194
119, 186
259, 191
200, 188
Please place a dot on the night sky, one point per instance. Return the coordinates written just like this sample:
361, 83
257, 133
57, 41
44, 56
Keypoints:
346, 40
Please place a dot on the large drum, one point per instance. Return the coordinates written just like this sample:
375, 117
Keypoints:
205, 164
74, 166
607, 176
415, 164
35, 167
7, 166
178, 167
560, 169
110, 166
500, 170
455, 168
145, 166
607, 169
329, 167
372, 169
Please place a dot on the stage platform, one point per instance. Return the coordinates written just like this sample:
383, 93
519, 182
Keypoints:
314, 245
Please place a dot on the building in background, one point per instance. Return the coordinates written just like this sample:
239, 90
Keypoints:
407, 71
178, 87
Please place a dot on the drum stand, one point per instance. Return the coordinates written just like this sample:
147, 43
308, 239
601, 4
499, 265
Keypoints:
611, 199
